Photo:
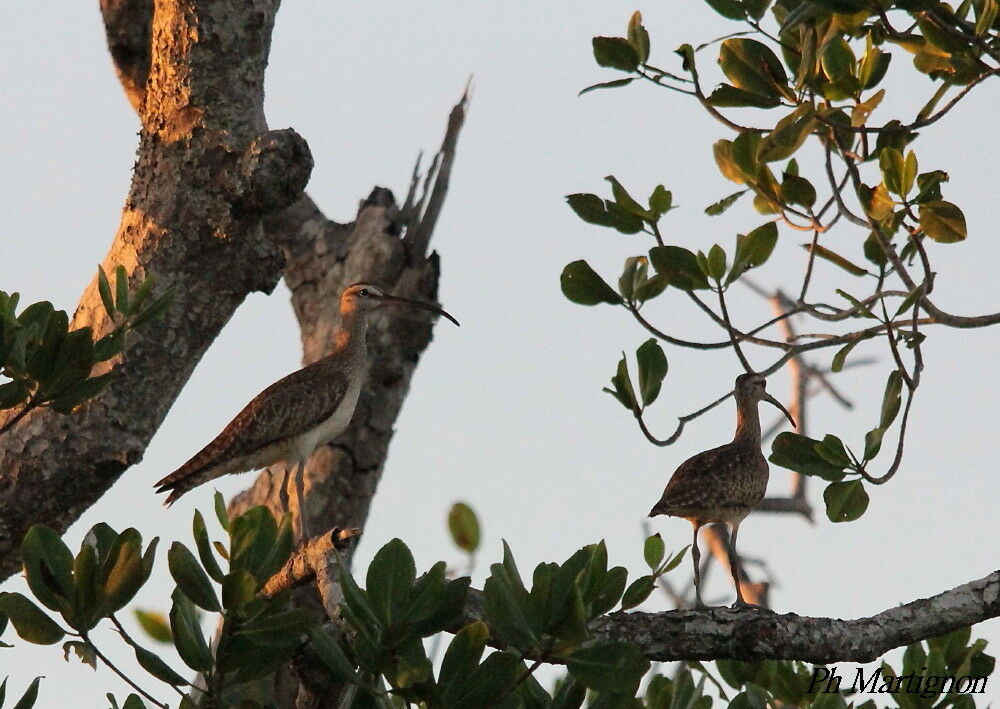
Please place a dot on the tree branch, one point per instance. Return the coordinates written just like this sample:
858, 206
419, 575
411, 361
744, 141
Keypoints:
754, 634
207, 171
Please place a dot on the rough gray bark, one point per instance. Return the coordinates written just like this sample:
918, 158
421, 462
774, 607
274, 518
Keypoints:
757, 634
207, 170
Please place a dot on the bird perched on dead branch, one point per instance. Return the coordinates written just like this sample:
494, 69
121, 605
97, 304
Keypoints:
724, 484
307, 408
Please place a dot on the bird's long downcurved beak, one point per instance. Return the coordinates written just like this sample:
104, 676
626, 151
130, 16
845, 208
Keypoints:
391, 299
771, 400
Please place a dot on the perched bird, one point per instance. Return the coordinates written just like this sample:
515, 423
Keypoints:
307, 408
724, 484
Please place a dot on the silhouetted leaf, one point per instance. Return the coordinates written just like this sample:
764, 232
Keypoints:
845, 501
581, 284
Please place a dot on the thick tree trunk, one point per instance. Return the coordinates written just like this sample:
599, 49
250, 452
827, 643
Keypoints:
207, 171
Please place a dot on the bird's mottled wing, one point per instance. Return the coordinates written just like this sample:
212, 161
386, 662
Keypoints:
285, 409
714, 478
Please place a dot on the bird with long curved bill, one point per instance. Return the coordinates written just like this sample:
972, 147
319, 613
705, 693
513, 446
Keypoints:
308, 408
723, 485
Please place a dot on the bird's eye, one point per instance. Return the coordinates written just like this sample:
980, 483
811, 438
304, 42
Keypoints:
365, 292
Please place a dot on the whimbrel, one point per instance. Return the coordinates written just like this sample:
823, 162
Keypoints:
307, 408
724, 484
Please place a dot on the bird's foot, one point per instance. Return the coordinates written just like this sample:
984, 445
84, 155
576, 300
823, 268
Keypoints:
740, 604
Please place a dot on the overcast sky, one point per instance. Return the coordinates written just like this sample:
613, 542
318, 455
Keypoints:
506, 413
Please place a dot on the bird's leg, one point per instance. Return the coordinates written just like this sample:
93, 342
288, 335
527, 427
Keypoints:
734, 568
300, 493
696, 557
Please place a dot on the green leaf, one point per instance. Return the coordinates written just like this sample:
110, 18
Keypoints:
716, 262
746, 154
624, 200
633, 274
239, 589
152, 663
82, 650
788, 134
679, 266
464, 527
730, 9
104, 289
638, 37
686, 53
361, 613
283, 629
615, 53
200, 533
390, 578
929, 186
611, 667
191, 579
607, 85
798, 453
461, 659
638, 591
942, 221
48, 567
121, 290
673, 562
661, 201
652, 369
752, 66
84, 614
727, 96
860, 309
623, 389
14, 394
589, 207
753, 249
570, 694
723, 204
30, 622
653, 551
81, 392
838, 59
188, 638
797, 190
123, 572
30, 696
873, 442
832, 450
651, 288
253, 538
331, 654
841, 356
581, 284
835, 258
892, 399
280, 551
890, 162
845, 501
220, 510
909, 174
722, 151
154, 624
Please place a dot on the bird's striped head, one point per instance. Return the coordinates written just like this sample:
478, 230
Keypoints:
752, 387
365, 297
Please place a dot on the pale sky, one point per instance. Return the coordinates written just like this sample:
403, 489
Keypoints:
506, 413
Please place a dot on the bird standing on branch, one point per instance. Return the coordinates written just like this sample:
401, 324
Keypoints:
309, 407
724, 484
